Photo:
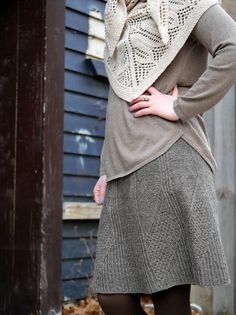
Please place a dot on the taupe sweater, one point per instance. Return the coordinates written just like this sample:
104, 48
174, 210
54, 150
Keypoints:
132, 142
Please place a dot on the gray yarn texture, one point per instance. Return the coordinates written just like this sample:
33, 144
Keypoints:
159, 227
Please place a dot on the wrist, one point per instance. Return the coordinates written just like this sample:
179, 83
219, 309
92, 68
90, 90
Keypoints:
171, 115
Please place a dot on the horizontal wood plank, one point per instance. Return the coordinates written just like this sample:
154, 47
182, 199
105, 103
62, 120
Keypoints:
68, 198
86, 105
75, 289
77, 269
85, 24
78, 248
82, 144
80, 228
93, 8
79, 186
83, 125
99, 68
85, 85
81, 211
76, 21
81, 165
75, 61
89, 45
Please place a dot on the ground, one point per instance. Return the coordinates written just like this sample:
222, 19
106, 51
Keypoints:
90, 306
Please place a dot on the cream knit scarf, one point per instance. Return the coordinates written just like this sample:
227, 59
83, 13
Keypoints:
142, 38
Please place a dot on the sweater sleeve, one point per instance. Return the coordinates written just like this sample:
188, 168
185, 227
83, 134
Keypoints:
102, 167
215, 30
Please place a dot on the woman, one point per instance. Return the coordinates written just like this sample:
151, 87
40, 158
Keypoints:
159, 231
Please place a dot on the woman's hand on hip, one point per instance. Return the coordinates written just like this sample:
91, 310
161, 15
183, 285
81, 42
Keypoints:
156, 103
99, 190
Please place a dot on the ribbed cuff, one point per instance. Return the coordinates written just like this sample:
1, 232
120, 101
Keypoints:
178, 111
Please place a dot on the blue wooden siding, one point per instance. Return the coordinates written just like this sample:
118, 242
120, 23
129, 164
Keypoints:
78, 253
86, 90
85, 103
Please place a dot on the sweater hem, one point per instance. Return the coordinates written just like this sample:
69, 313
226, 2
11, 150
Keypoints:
163, 150
212, 164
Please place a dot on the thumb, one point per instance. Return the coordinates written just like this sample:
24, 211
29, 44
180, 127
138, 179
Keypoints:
175, 91
102, 192
152, 90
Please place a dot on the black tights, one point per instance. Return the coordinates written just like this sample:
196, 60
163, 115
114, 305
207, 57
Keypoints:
175, 300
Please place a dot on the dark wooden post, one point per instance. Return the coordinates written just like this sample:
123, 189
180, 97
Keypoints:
31, 155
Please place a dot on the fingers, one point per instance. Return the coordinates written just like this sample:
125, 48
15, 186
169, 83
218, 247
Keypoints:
152, 90
96, 193
152, 104
138, 99
102, 192
143, 112
138, 105
99, 191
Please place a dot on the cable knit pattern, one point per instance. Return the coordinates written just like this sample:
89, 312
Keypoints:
159, 227
143, 37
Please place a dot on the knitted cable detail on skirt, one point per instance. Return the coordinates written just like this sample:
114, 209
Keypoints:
159, 227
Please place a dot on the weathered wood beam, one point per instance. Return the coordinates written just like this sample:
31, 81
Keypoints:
31, 153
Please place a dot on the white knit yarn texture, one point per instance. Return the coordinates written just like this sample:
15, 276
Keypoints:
142, 38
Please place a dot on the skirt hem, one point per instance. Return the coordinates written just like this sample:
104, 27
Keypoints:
212, 285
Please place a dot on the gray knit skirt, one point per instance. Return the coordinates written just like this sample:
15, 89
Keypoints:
159, 227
